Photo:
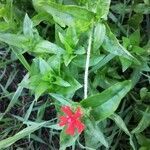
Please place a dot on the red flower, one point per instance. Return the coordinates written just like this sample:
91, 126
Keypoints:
71, 120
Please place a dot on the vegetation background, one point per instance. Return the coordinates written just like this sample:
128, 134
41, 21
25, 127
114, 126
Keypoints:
38, 35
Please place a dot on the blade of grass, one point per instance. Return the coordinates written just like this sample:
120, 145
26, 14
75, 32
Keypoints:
21, 58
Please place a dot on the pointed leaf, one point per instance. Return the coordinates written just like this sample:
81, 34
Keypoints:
112, 45
28, 27
104, 104
144, 122
94, 135
99, 36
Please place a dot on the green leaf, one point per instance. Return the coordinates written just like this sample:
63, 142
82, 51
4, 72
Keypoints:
135, 38
69, 40
23, 133
41, 16
74, 86
28, 27
28, 113
121, 124
94, 135
126, 63
19, 41
135, 76
37, 139
68, 58
67, 140
112, 45
147, 2
94, 60
35, 67
55, 62
103, 8
37, 85
40, 89
120, 8
138, 50
100, 7
41, 111
99, 36
143, 92
104, 104
69, 15
144, 122
4, 26
21, 58
80, 51
44, 46
142, 8
103, 62
68, 48
61, 82
61, 99
44, 67
71, 36
143, 141
136, 20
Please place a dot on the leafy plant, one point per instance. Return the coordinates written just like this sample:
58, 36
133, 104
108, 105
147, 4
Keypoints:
87, 61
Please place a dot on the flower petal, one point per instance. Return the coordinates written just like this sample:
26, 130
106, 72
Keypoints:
80, 126
63, 120
78, 113
70, 129
67, 110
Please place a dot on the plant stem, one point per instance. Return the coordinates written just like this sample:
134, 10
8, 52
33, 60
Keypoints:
87, 66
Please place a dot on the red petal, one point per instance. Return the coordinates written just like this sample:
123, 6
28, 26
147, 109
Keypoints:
80, 126
63, 120
78, 113
70, 129
67, 110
